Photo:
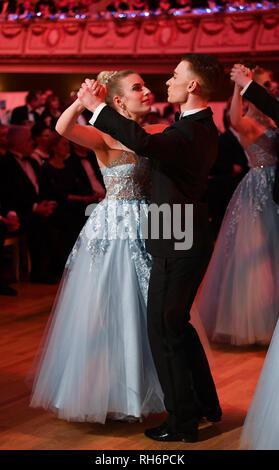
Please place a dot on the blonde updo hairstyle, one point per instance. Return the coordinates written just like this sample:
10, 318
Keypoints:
113, 79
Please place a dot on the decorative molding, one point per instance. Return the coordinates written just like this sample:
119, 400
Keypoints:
133, 41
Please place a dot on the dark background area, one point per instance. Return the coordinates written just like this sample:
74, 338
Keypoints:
64, 83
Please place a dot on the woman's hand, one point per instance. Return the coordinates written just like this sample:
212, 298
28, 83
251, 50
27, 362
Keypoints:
241, 75
91, 94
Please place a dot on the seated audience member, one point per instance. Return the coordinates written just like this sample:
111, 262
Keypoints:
153, 108
90, 183
164, 6
74, 7
199, 4
27, 114
52, 111
43, 97
62, 6
169, 112
84, 6
8, 224
41, 135
118, 6
46, 8
19, 192
8, 7
3, 140
184, 5
25, 8
152, 118
58, 182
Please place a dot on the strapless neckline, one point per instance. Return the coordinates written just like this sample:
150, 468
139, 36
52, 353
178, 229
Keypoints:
269, 129
122, 160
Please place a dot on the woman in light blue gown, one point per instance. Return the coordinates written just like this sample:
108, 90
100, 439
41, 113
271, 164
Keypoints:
95, 361
239, 298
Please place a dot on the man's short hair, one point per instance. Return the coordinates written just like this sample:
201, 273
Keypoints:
207, 68
32, 96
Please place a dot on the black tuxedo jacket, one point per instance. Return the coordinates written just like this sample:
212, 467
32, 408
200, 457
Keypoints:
269, 106
20, 114
181, 160
16, 190
83, 182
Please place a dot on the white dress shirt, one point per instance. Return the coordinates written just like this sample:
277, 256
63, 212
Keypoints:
245, 88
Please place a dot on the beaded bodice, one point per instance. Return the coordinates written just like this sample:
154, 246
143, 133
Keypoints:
263, 152
127, 177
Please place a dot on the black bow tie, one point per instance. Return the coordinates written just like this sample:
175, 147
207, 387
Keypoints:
177, 116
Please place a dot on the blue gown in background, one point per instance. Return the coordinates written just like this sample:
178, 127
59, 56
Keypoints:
95, 360
239, 299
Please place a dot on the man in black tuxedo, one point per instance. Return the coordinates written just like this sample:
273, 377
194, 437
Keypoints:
19, 192
9, 223
181, 159
22, 115
263, 100
89, 178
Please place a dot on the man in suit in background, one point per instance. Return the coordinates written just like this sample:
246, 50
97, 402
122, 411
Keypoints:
27, 114
88, 174
19, 192
263, 100
181, 158
8, 223
3, 140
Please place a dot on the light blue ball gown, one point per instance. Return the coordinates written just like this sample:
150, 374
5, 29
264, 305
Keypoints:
239, 298
95, 360
261, 427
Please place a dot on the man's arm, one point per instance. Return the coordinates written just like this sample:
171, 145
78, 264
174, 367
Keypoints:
262, 100
162, 146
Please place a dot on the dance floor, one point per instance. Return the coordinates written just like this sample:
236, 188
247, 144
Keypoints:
22, 322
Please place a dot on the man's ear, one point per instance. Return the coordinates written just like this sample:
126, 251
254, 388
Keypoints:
193, 86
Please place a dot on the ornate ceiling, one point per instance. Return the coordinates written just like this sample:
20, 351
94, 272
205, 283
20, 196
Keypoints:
151, 44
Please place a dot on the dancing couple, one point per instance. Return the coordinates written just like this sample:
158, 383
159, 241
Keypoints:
119, 344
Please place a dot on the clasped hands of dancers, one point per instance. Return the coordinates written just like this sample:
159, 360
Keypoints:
120, 344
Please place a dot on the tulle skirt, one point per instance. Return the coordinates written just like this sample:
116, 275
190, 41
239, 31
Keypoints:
261, 427
239, 298
95, 360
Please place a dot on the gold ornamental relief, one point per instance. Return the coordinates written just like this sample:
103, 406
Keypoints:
166, 34
150, 27
54, 36
98, 30
270, 21
213, 27
11, 32
71, 29
185, 26
240, 25
124, 29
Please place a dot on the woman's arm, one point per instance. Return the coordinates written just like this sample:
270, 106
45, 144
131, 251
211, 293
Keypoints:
239, 122
87, 136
